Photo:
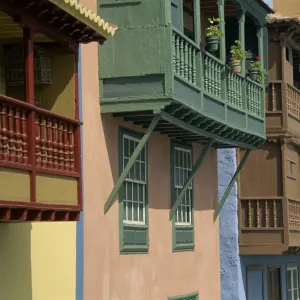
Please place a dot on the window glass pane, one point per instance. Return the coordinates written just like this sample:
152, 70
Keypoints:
182, 168
134, 185
290, 295
289, 279
295, 279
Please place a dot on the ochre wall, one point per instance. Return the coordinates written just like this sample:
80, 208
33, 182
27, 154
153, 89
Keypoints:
160, 273
38, 261
59, 96
287, 7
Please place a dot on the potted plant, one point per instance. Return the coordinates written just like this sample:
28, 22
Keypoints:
237, 54
256, 71
213, 34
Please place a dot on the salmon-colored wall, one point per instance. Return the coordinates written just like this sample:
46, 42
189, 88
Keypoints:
161, 273
287, 7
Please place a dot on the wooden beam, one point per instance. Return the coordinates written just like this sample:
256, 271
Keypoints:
190, 178
24, 18
201, 132
130, 163
231, 183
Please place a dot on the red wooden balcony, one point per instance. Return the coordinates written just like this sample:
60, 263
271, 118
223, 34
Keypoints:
37, 146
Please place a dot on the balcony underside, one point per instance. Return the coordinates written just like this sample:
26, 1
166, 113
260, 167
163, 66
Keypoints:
11, 211
184, 124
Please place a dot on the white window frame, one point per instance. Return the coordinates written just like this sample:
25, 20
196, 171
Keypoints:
133, 181
293, 269
179, 188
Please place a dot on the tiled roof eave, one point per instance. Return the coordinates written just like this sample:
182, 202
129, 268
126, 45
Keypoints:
86, 16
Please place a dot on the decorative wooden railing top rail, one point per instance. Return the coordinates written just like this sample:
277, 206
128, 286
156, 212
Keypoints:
56, 139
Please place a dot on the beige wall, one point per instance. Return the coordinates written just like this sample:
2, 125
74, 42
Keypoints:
161, 273
287, 7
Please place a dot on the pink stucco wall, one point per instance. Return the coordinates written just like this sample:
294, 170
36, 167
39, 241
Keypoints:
161, 273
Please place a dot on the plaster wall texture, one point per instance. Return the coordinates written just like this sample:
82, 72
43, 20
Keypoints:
232, 287
38, 261
160, 273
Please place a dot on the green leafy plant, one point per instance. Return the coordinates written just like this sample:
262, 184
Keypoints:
262, 73
214, 28
237, 51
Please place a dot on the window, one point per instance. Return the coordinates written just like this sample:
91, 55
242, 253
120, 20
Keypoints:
188, 18
183, 227
291, 166
192, 296
292, 283
133, 196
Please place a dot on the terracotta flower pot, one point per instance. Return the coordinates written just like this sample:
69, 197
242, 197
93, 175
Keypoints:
254, 74
236, 66
212, 43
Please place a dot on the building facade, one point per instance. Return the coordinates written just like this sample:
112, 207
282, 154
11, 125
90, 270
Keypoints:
265, 264
40, 159
150, 160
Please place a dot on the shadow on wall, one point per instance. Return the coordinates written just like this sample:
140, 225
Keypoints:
158, 156
15, 261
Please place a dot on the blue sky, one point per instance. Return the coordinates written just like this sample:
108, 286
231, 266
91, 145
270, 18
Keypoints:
269, 2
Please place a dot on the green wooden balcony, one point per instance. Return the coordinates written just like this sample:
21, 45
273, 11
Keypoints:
152, 68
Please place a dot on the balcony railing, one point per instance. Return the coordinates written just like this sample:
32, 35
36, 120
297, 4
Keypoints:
293, 100
261, 213
294, 214
51, 142
217, 81
185, 57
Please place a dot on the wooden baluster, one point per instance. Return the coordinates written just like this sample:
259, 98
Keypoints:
181, 58
229, 86
43, 142
174, 52
60, 146
194, 65
55, 143
210, 76
24, 137
266, 214
66, 146
18, 135
206, 73
250, 214
71, 147
4, 132
177, 55
1, 142
257, 214
38, 141
186, 60
11, 135
49, 143
190, 65
274, 214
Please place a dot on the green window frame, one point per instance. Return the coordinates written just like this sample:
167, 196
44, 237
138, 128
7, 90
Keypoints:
192, 296
183, 219
133, 196
292, 282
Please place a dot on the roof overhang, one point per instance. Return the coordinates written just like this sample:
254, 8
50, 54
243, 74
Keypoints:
65, 21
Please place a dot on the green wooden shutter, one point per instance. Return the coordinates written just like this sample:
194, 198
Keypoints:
192, 296
183, 220
133, 200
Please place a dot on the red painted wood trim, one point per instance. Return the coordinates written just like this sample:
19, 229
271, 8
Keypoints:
28, 40
31, 205
77, 134
12, 165
57, 172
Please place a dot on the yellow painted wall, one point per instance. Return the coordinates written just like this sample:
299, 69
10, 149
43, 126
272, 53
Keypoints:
38, 261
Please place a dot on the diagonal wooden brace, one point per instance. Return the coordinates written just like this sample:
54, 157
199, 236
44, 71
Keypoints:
231, 183
130, 163
190, 179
